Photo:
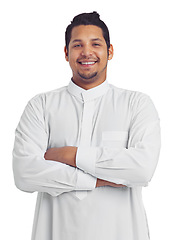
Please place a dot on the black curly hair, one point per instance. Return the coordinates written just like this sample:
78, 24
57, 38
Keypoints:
92, 18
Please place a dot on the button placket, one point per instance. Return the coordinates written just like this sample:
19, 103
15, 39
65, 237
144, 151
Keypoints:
86, 131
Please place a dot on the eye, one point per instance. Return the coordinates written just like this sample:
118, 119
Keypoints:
96, 44
77, 45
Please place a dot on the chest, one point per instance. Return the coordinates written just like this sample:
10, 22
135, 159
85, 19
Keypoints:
100, 122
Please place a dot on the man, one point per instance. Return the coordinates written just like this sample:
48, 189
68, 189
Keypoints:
87, 148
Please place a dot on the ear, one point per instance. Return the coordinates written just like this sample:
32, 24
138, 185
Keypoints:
111, 52
66, 54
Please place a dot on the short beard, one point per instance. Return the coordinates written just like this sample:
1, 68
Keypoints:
88, 77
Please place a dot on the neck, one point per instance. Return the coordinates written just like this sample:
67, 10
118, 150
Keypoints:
88, 84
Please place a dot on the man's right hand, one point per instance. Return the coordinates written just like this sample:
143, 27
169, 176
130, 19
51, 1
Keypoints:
101, 182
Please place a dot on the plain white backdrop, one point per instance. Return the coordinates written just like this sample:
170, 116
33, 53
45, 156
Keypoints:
146, 39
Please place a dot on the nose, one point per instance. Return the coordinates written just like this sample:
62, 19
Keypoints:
87, 51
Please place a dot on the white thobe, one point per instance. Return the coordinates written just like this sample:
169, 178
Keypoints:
117, 133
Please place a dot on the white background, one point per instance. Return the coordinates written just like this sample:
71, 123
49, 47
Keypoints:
146, 39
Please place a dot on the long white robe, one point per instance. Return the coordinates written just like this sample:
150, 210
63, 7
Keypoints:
117, 133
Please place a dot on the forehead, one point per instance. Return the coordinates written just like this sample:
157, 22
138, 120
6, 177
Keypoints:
86, 32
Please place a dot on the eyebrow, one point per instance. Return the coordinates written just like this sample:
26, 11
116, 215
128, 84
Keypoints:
76, 40
96, 39
93, 39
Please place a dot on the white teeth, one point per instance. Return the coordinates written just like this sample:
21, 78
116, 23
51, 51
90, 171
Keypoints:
87, 63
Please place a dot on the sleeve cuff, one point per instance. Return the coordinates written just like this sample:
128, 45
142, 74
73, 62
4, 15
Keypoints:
85, 159
85, 181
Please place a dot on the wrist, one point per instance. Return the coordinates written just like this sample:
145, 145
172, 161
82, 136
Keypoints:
101, 183
70, 156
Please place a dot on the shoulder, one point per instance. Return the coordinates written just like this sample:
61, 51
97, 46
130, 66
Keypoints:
134, 97
49, 94
136, 101
44, 97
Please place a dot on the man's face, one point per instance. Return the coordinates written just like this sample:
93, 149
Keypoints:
88, 55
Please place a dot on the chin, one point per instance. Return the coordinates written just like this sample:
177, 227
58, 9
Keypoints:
91, 77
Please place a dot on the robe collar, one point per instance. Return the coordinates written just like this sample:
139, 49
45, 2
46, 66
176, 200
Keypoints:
90, 94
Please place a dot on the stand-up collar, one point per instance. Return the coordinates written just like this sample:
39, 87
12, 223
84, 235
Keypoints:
87, 95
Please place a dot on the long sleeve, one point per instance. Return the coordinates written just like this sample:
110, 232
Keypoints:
133, 165
31, 171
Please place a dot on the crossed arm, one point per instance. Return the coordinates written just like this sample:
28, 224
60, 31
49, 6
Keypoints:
79, 168
67, 155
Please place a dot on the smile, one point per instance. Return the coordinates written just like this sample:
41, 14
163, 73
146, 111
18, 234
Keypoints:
90, 63
87, 63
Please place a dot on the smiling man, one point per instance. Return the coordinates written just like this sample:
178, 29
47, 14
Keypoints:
87, 148
87, 55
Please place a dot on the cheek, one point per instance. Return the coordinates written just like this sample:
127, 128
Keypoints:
72, 60
73, 56
103, 55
